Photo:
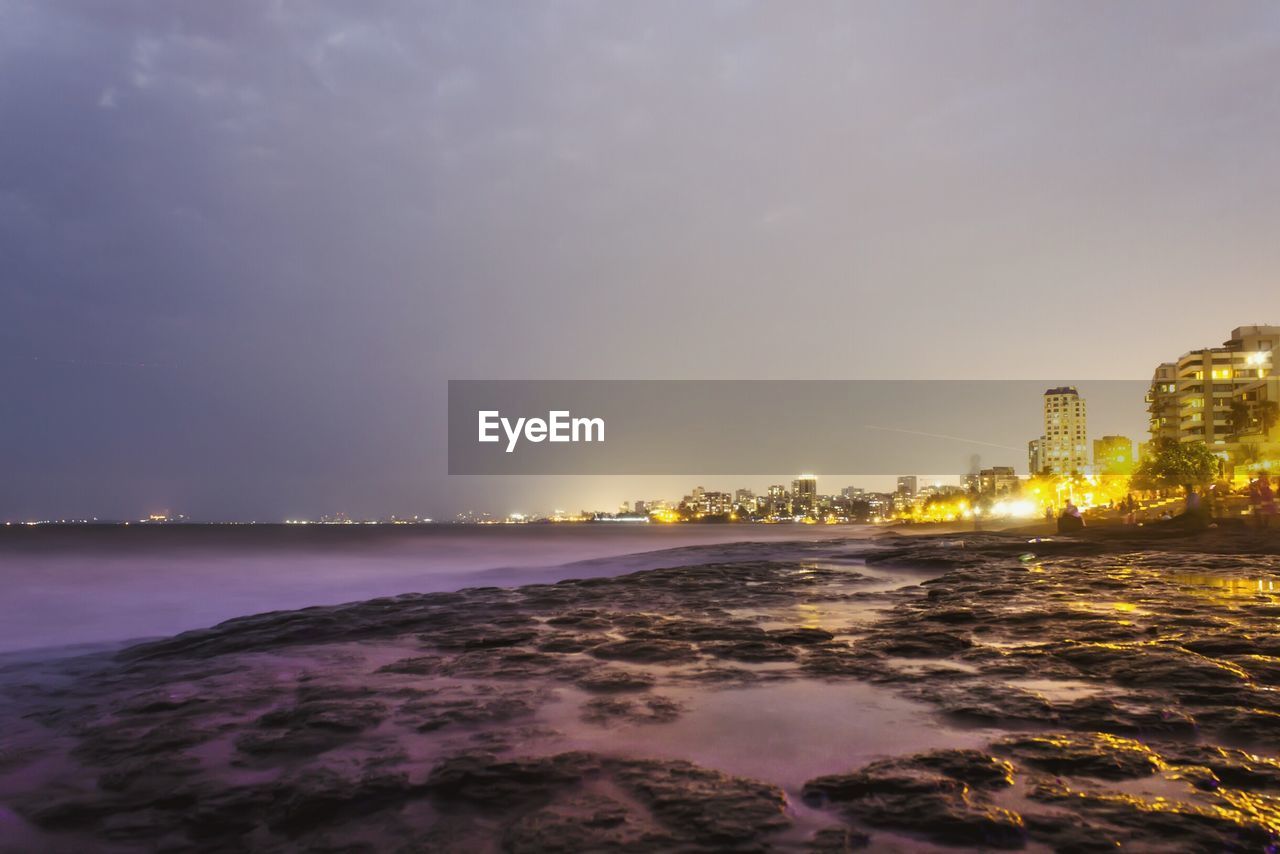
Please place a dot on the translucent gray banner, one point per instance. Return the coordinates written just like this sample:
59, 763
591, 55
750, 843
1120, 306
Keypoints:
874, 427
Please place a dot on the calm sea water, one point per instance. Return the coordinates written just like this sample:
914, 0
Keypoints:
87, 585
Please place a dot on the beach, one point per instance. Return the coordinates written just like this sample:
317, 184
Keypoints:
954, 691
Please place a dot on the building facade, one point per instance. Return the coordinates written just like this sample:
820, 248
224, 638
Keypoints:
1217, 395
1113, 455
997, 480
804, 495
1162, 402
1064, 448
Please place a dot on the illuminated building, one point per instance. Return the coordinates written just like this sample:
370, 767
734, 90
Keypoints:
1113, 455
1035, 456
908, 485
776, 502
716, 503
1064, 445
1162, 402
997, 480
804, 494
1215, 394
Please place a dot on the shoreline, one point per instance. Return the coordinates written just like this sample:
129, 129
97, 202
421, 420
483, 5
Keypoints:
504, 718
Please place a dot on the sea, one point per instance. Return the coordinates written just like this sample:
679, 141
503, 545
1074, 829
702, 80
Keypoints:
71, 589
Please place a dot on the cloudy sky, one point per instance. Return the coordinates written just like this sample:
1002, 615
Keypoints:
244, 244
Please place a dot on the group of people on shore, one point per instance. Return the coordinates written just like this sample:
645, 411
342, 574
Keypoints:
1199, 509
1262, 500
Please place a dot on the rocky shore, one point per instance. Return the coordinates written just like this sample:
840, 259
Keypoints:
982, 691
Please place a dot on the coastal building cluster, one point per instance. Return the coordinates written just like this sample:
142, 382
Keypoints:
1226, 397
801, 501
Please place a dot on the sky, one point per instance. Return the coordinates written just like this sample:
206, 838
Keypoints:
244, 245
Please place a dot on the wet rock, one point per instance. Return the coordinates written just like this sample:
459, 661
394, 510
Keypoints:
749, 651
1231, 766
610, 681
843, 662
586, 822
146, 773
803, 635
724, 677
418, 665
972, 767
648, 710
121, 740
698, 630
157, 702
838, 840
431, 714
387, 617
942, 795
1065, 832
672, 805
647, 651
569, 642
1229, 823
480, 637
924, 643
1097, 754
704, 806
319, 797
515, 664
311, 727
486, 781
582, 620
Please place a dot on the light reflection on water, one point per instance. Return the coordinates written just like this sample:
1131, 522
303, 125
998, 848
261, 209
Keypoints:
1224, 586
786, 732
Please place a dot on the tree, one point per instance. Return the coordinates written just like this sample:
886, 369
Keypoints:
1269, 413
1240, 416
1246, 454
1173, 464
1244, 417
860, 510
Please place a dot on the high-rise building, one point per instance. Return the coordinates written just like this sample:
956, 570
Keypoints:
908, 485
778, 503
1162, 402
1216, 394
804, 494
1064, 446
716, 503
1113, 455
1035, 456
